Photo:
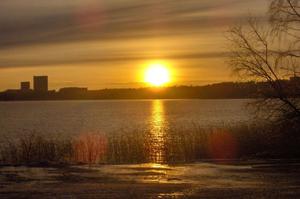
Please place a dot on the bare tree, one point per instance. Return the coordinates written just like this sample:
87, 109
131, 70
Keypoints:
270, 52
285, 22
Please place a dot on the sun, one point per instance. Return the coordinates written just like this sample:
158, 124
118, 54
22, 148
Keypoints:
157, 74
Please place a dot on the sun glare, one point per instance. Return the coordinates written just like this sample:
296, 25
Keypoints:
157, 74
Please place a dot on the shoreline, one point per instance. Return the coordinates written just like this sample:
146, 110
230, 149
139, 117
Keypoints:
128, 99
197, 180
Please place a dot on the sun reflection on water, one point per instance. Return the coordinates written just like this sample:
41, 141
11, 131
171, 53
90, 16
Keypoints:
157, 136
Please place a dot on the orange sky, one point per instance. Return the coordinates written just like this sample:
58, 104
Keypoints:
105, 43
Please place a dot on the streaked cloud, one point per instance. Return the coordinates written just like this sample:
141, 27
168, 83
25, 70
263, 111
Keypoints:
56, 32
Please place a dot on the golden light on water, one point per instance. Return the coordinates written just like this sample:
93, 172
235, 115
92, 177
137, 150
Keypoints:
157, 133
157, 74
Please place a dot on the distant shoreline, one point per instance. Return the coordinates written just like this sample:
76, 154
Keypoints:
226, 90
122, 99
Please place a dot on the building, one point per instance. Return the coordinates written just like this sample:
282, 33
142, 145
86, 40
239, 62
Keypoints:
40, 83
73, 90
25, 86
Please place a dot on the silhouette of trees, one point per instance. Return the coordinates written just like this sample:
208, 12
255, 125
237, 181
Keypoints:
270, 51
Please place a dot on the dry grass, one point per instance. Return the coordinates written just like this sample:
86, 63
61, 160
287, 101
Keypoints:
89, 148
180, 144
32, 149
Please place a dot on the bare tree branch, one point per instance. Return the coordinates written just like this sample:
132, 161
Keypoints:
264, 54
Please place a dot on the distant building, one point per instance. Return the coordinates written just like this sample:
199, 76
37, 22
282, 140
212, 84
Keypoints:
73, 90
12, 91
40, 83
25, 86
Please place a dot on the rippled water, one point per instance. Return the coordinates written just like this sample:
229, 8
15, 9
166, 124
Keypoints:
88, 118
73, 117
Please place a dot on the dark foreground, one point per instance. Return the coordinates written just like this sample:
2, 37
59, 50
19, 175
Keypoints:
201, 180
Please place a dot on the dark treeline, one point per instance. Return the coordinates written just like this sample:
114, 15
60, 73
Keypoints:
226, 90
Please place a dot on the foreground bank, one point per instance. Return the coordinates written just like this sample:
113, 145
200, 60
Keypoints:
198, 180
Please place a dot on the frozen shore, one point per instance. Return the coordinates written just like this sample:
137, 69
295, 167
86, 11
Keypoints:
199, 180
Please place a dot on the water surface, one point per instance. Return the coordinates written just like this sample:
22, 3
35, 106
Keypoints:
127, 131
75, 117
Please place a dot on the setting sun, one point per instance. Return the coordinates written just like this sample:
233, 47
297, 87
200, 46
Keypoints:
157, 74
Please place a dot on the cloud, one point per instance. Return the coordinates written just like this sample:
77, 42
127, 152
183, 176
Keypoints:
30, 23
7, 63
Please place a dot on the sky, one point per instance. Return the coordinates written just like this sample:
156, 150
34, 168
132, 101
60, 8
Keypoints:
107, 43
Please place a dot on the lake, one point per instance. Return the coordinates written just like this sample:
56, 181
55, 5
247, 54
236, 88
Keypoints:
75, 117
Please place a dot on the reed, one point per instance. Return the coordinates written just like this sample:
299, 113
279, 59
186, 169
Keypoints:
177, 145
